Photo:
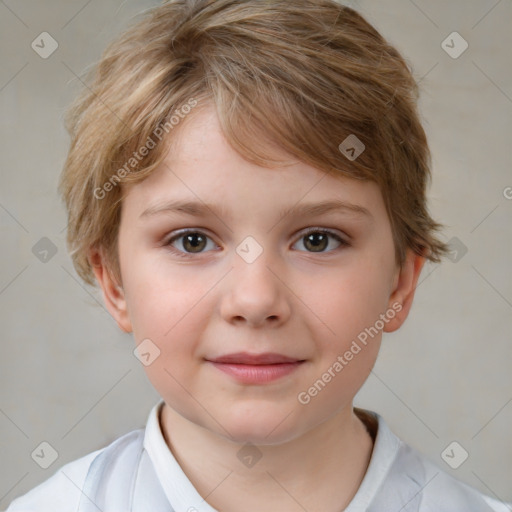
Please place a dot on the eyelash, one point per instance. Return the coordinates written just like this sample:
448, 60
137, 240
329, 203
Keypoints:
180, 234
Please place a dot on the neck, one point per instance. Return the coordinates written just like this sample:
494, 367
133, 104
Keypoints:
318, 470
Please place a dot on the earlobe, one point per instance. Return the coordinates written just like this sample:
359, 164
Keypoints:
404, 287
113, 293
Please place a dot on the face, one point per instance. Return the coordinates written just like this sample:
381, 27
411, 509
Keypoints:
243, 276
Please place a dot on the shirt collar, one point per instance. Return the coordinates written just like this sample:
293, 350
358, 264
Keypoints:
182, 495
180, 492
385, 450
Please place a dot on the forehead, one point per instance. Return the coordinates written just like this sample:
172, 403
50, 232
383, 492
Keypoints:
202, 167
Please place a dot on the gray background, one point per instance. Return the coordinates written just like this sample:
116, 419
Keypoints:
67, 373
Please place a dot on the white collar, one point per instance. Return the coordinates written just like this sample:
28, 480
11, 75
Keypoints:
182, 494
385, 450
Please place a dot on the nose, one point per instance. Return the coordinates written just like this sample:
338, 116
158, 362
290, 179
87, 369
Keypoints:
255, 295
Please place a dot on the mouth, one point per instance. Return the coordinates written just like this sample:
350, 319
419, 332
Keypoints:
265, 358
256, 368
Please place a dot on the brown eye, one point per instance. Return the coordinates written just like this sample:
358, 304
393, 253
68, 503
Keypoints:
188, 242
194, 242
318, 240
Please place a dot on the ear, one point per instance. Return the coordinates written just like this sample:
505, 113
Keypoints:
404, 286
113, 294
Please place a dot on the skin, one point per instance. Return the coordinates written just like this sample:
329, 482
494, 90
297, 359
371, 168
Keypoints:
290, 300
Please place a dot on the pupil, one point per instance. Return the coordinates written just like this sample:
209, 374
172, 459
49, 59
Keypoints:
314, 239
189, 240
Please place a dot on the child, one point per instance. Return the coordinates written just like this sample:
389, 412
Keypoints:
284, 136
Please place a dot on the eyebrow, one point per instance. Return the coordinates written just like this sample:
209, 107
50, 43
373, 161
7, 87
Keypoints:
198, 209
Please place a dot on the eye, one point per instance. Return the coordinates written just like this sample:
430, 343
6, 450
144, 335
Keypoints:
317, 239
191, 242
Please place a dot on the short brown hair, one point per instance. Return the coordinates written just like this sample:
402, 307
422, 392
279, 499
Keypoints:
304, 74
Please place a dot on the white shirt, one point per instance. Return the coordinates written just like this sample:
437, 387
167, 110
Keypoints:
138, 473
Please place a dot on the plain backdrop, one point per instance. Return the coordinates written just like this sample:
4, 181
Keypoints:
68, 375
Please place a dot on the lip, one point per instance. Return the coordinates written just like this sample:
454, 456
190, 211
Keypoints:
254, 359
256, 368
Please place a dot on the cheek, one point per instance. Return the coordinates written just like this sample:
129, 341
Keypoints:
348, 299
170, 307
161, 296
347, 333
167, 309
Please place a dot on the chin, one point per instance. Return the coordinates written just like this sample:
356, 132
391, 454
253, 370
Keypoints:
260, 427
